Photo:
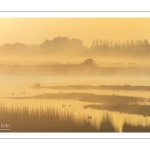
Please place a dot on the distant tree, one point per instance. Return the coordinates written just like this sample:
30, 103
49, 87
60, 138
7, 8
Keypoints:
62, 45
89, 62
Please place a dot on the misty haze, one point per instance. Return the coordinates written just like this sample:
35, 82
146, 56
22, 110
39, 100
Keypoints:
74, 75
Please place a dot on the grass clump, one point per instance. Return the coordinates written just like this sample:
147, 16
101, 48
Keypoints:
107, 124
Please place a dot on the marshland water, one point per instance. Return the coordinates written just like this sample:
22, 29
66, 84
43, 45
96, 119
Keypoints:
19, 92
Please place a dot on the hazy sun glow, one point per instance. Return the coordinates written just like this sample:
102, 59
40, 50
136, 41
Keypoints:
35, 30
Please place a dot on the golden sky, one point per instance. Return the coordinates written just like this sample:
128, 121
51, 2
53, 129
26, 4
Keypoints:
35, 30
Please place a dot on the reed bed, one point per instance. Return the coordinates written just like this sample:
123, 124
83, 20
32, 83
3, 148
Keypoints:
51, 120
128, 127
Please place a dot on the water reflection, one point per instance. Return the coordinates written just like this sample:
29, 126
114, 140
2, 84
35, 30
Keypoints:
11, 88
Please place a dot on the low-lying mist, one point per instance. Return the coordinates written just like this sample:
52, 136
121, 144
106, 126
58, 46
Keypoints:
63, 56
88, 67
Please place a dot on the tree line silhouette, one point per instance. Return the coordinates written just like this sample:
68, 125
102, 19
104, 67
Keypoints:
125, 47
64, 45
